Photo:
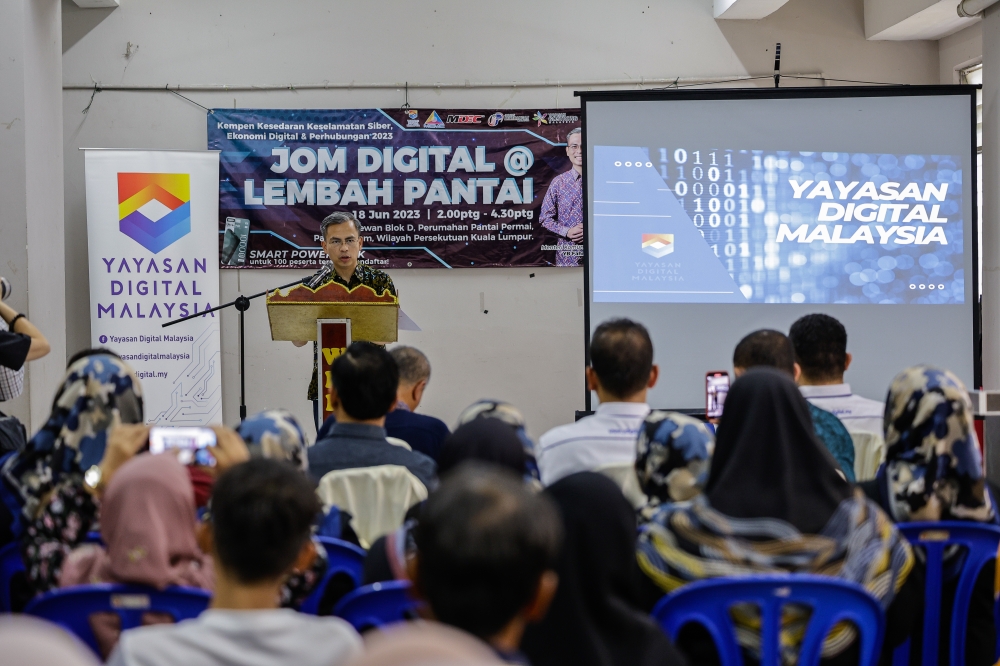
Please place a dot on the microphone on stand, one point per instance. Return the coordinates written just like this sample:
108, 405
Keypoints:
325, 270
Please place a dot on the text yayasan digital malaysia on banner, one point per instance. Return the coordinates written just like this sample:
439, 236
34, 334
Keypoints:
151, 227
431, 188
686, 225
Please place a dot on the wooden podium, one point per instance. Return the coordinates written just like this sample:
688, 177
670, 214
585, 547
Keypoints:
293, 312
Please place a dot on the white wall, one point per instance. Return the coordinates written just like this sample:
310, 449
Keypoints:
529, 348
958, 51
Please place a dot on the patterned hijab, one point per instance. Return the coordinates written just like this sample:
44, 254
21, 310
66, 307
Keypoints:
275, 433
931, 447
672, 456
98, 392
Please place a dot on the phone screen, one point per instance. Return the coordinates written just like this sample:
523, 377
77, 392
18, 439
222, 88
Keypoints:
192, 444
716, 388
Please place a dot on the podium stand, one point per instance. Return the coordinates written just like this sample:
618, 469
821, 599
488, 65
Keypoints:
333, 315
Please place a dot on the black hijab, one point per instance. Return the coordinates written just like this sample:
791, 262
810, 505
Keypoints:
595, 619
488, 440
768, 461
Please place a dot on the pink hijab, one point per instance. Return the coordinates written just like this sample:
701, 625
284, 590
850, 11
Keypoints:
148, 523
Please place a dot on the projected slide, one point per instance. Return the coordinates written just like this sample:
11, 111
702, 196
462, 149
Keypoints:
716, 225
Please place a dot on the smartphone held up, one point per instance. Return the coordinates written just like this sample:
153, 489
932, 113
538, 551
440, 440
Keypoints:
716, 388
192, 446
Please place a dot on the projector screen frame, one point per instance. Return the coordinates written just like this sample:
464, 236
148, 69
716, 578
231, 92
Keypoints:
678, 94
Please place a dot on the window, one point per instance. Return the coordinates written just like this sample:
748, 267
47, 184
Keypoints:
974, 75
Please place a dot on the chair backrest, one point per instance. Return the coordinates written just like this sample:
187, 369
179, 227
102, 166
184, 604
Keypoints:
377, 497
377, 605
344, 558
71, 607
869, 452
981, 542
624, 475
10, 565
832, 601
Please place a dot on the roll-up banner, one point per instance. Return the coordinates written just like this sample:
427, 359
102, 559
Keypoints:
432, 188
152, 227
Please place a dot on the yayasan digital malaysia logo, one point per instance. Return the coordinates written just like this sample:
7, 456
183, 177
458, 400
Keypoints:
658, 245
154, 209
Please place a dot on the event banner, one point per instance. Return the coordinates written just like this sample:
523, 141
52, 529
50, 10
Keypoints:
713, 225
151, 226
432, 188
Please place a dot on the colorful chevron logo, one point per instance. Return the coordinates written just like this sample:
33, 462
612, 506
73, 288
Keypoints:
154, 209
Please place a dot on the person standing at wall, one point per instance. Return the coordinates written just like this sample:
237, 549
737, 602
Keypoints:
22, 341
562, 208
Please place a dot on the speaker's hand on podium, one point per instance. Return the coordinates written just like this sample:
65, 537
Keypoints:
300, 343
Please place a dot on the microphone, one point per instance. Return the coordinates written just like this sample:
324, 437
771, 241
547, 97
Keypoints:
325, 270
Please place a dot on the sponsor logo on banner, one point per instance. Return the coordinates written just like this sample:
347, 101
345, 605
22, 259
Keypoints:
465, 119
514, 118
434, 121
557, 118
495, 119
154, 209
540, 118
658, 245
412, 118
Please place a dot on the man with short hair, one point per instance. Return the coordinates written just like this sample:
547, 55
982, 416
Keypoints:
773, 349
621, 371
562, 207
365, 378
258, 533
820, 343
342, 241
423, 433
486, 548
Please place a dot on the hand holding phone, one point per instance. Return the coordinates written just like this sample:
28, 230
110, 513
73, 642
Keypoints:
193, 446
716, 389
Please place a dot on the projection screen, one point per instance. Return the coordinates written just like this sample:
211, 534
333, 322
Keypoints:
714, 213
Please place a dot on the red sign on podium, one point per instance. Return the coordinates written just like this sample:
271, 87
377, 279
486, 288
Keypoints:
333, 336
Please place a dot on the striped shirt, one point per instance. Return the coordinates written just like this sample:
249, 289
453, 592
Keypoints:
607, 437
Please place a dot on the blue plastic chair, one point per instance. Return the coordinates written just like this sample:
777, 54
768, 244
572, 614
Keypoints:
377, 605
71, 607
981, 541
11, 564
344, 558
708, 603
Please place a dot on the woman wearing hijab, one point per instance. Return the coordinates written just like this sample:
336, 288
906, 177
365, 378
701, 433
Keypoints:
275, 433
490, 440
769, 464
933, 471
98, 392
28, 641
595, 619
673, 453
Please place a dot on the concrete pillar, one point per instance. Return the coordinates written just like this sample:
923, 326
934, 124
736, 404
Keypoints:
991, 198
32, 253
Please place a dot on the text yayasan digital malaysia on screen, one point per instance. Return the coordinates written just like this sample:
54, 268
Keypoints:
680, 225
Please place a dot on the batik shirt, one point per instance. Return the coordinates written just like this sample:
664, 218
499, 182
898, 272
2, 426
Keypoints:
561, 210
370, 277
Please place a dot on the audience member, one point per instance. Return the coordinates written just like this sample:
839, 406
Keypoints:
258, 533
768, 464
423, 433
20, 341
673, 453
512, 416
364, 378
621, 370
486, 548
28, 641
485, 440
275, 433
424, 644
595, 617
934, 471
773, 349
820, 343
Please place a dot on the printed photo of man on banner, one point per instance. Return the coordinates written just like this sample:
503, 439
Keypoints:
432, 188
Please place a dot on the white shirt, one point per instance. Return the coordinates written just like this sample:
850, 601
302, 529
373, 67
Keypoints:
240, 638
607, 437
857, 413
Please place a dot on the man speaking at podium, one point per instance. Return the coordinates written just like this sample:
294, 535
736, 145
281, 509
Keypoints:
342, 243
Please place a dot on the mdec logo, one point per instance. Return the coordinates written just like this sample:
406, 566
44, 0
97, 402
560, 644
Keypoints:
658, 245
154, 209
466, 120
495, 119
